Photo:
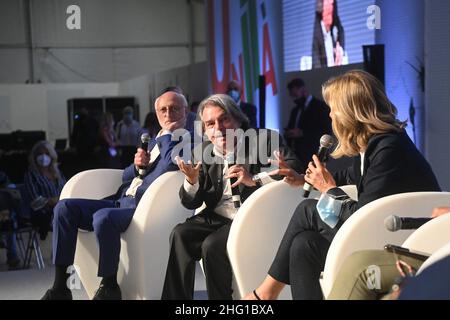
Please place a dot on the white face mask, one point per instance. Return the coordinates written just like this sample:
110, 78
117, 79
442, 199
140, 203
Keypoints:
43, 160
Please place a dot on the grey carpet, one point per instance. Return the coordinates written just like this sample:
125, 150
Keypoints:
31, 284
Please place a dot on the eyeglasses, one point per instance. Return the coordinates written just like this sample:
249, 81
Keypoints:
173, 109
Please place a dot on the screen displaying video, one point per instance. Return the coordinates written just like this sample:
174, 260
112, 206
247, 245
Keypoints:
325, 33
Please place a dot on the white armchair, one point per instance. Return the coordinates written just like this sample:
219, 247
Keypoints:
145, 244
365, 228
430, 238
257, 230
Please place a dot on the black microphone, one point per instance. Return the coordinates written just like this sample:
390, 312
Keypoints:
395, 223
326, 142
235, 193
145, 139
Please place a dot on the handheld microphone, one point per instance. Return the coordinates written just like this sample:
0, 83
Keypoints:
235, 193
395, 223
145, 139
326, 142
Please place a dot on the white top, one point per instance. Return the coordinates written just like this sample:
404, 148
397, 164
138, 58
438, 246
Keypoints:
329, 48
362, 163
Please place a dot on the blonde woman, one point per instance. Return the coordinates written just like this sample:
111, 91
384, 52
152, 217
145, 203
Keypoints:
385, 162
44, 183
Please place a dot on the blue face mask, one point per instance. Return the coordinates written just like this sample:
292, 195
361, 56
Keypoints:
235, 95
329, 209
128, 117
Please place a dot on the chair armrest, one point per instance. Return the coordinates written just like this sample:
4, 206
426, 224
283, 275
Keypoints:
144, 261
440, 254
257, 230
365, 228
93, 184
431, 236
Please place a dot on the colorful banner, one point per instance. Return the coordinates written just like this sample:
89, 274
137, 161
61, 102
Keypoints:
245, 42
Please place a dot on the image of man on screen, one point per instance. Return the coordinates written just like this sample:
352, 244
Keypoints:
328, 38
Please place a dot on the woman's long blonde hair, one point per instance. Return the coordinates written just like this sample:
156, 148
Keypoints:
359, 109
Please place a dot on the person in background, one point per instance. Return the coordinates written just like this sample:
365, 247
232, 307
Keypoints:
151, 125
44, 183
234, 90
128, 136
127, 130
386, 162
107, 154
9, 206
85, 138
308, 121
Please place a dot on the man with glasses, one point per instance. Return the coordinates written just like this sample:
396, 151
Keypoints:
108, 218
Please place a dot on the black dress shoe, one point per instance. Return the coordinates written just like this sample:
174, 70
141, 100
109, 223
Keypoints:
53, 294
108, 293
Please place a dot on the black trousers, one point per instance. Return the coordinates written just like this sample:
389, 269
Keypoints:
301, 256
203, 236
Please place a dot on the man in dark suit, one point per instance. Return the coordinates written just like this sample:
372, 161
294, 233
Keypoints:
204, 236
308, 121
234, 90
108, 218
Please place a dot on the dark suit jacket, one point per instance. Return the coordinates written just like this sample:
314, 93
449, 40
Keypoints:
211, 177
161, 165
392, 165
250, 111
315, 121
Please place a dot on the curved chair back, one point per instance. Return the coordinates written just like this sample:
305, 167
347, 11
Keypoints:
365, 228
430, 237
440, 254
145, 244
92, 184
257, 231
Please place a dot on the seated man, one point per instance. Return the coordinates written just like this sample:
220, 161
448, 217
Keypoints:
354, 280
109, 218
230, 166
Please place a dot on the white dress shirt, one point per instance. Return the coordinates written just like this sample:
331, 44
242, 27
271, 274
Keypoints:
154, 154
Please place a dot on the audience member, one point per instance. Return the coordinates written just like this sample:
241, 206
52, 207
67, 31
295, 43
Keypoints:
308, 121
8, 221
151, 125
107, 151
85, 137
234, 90
43, 182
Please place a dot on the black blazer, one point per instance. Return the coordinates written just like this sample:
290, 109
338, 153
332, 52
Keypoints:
211, 177
250, 111
392, 164
315, 121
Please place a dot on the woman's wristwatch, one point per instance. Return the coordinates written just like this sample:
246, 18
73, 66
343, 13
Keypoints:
257, 180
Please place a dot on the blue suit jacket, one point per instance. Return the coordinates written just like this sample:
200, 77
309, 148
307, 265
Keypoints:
161, 165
